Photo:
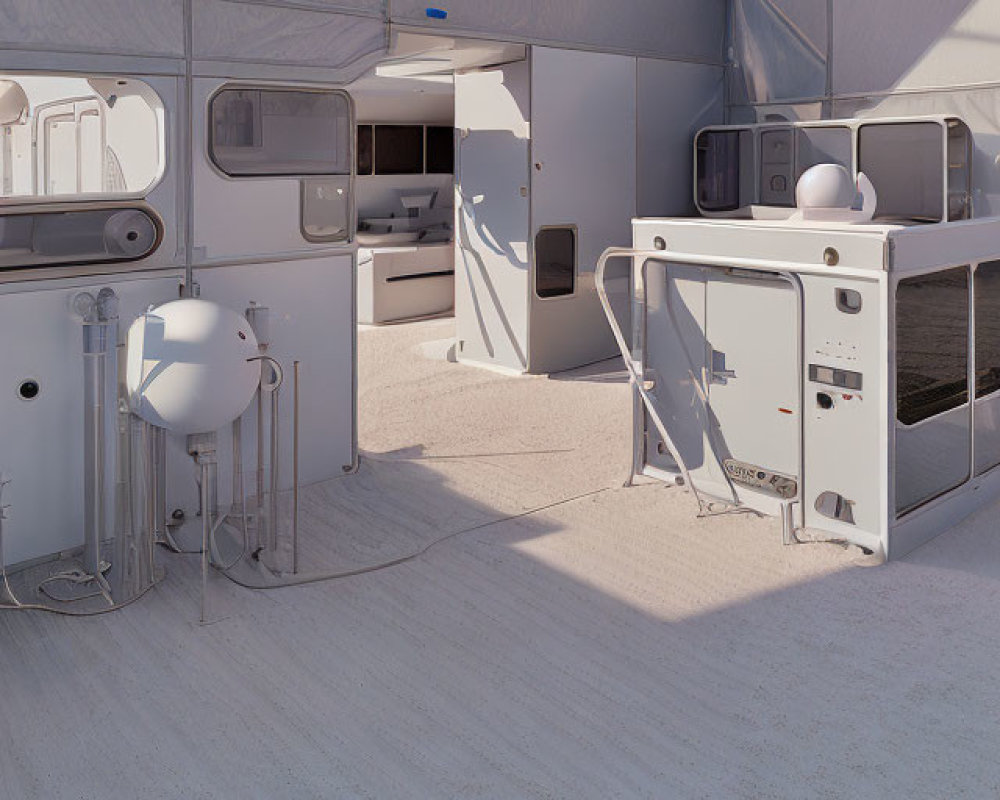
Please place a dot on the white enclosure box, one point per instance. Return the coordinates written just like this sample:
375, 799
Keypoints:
400, 283
847, 376
555, 155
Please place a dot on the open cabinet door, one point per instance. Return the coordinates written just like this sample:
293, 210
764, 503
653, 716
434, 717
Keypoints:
583, 155
492, 216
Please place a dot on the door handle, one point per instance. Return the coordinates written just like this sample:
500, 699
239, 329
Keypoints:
719, 374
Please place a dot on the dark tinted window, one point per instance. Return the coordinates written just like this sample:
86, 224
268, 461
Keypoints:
903, 161
555, 262
399, 149
440, 150
719, 170
364, 149
932, 318
987, 291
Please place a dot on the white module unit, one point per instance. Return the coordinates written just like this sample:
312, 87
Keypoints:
920, 166
845, 377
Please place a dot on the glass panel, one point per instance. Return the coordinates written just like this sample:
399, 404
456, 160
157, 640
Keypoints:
280, 132
986, 287
364, 149
440, 150
959, 170
78, 137
325, 209
555, 262
932, 318
399, 149
904, 162
718, 176
777, 185
823, 146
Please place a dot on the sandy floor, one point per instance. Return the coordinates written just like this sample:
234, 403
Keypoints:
574, 639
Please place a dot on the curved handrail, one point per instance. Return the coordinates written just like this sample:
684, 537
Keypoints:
634, 367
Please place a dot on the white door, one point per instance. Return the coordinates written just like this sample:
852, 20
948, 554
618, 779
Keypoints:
583, 155
491, 210
753, 357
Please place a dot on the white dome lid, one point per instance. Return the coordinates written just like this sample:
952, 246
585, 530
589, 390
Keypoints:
825, 186
188, 368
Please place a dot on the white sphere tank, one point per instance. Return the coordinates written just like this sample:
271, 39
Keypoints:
825, 186
188, 369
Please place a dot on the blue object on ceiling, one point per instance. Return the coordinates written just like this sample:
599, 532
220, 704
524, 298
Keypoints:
437, 13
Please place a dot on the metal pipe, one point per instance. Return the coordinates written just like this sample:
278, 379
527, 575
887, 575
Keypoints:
260, 526
203, 447
4, 583
124, 516
258, 318
94, 375
273, 459
159, 498
295, 471
206, 528
237, 461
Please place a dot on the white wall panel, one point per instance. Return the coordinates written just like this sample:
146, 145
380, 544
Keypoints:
239, 31
693, 29
675, 100
312, 321
492, 111
899, 44
779, 48
41, 441
240, 217
134, 27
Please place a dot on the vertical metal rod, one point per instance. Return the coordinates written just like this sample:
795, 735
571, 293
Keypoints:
259, 526
160, 484
144, 572
295, 472
272, 500
237, 461
206, 527
94, 365
124, 510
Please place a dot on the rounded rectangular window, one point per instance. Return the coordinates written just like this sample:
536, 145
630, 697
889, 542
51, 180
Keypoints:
555, 262
280, 132
904, 160
78, 137
718, 170
933, 446
932, 344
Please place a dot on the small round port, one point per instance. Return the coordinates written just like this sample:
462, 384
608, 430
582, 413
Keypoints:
824, 401
28, 389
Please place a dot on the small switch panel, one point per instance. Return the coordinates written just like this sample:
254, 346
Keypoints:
831, 376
